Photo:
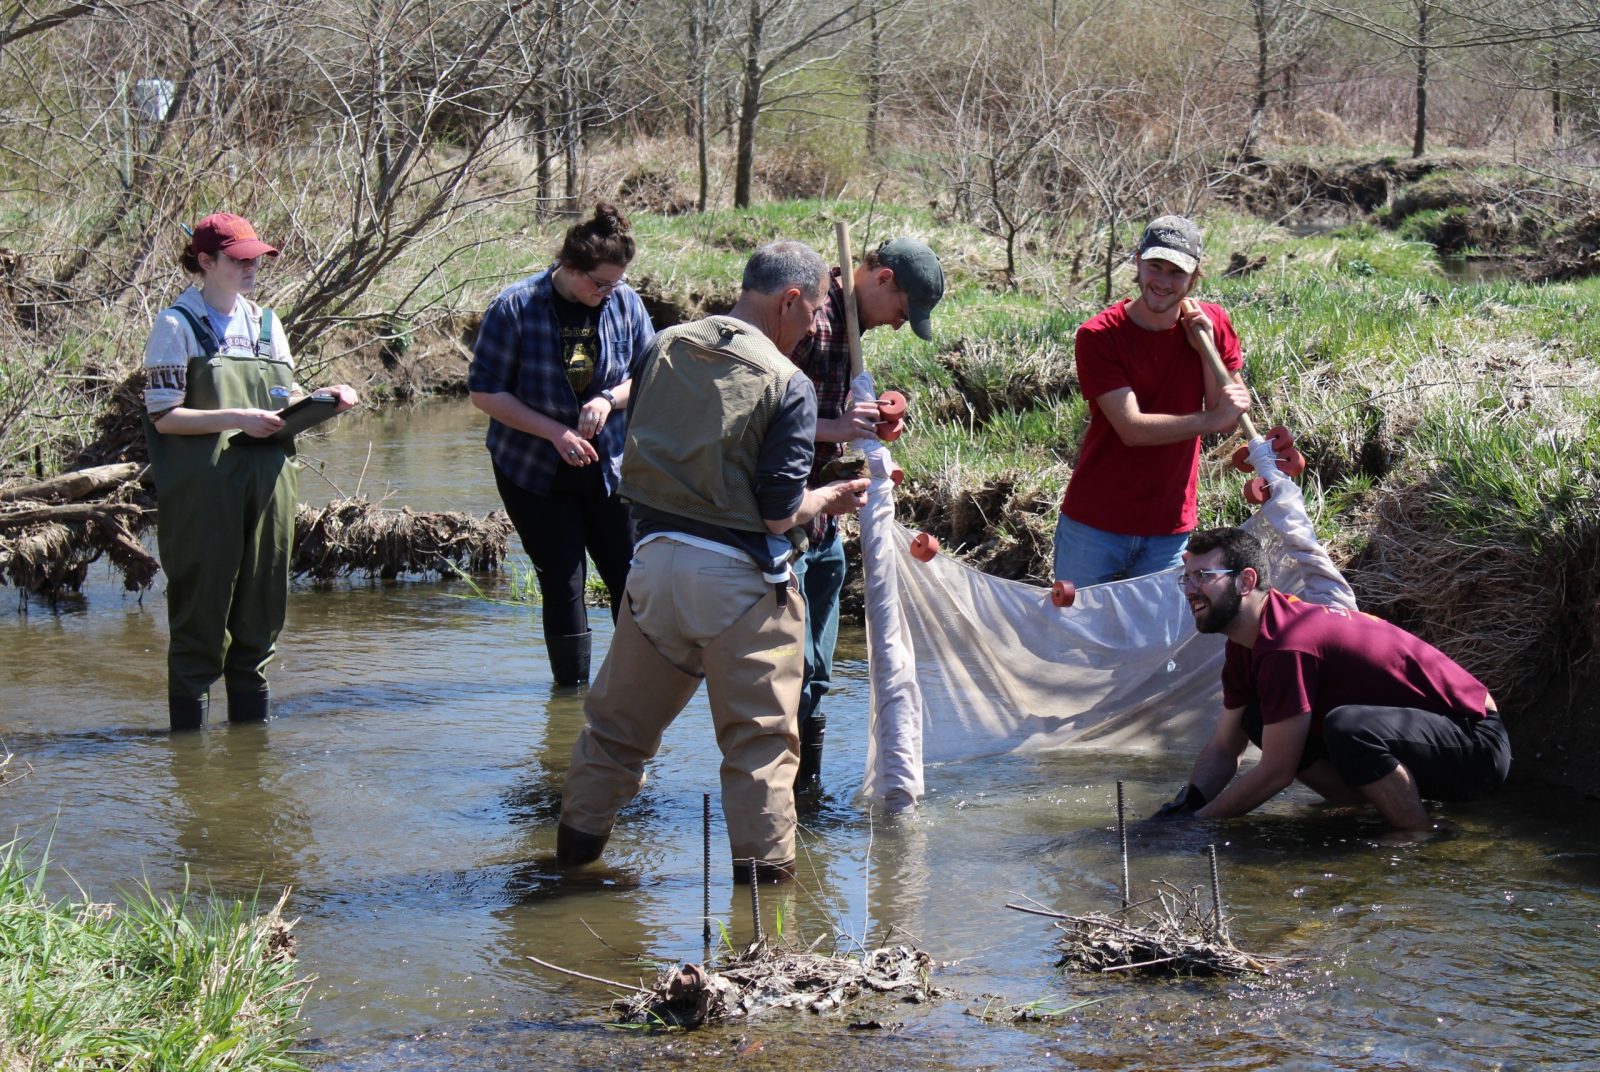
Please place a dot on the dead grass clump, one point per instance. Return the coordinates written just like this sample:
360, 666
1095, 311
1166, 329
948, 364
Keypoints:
355, 536
1004, 375
656, 189
1003, 526
763, 978
1497, 607
1484, 538
1168, 934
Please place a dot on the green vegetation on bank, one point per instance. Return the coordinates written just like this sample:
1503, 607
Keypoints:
181, 984
1450, 428
1443, 422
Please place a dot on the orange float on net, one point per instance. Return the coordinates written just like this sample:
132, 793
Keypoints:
1280, 438
1063, 594
1256, 490
889, 431
1241, 459
924, 546
892, 406
1291, 462
896, 476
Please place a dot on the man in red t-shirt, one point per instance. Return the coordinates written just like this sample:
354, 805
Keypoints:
1131, 500
1348, 704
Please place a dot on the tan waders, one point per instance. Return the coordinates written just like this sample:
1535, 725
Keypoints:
224, 532
692, 612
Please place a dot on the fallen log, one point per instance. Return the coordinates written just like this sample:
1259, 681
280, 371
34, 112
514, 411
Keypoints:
47, 545
69, 487
67, 513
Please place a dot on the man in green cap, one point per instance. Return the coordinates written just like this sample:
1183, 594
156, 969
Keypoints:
898, 282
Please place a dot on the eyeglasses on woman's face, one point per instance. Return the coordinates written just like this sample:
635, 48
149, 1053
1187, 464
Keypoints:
604, 285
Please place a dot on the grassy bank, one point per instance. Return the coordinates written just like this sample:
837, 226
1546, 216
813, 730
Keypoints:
1450, 428
158, 984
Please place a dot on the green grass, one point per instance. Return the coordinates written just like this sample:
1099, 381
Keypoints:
159, 984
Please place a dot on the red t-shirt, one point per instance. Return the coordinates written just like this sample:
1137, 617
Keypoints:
1140, 491
1309, 657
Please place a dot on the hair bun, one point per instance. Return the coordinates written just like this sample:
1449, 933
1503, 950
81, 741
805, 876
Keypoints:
608, 219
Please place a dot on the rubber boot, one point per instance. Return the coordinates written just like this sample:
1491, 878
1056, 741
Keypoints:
247, 706
812, 732
765, 873
575, 848
187, 713
569, 658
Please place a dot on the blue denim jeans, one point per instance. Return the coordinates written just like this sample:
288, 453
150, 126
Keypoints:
1086, 555
819, 574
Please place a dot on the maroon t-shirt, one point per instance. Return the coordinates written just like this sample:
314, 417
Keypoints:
1140, 491
1309, 657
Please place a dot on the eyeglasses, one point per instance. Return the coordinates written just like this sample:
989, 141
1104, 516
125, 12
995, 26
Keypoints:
1196, 578
607, 284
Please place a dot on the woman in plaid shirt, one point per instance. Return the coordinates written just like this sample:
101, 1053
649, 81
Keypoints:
553, 367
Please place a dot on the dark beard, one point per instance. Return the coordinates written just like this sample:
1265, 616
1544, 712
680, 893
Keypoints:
1221, 612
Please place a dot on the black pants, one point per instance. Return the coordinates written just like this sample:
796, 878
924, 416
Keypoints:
556, 529
1448, 759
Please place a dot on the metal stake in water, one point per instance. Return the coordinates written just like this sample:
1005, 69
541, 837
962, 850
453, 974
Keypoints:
705, 878
755, 898
1122, 838
1216, 887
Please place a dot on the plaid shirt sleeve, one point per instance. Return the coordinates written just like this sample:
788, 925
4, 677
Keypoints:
519, 352
825, 359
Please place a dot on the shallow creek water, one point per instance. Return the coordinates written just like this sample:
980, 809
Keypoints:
407, 792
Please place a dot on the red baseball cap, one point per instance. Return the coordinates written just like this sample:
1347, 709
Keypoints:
222, 232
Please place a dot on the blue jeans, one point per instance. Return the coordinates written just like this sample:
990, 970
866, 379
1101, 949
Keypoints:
1086, 555
819, 574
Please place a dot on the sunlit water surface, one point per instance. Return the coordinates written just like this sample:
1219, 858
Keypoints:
408, 787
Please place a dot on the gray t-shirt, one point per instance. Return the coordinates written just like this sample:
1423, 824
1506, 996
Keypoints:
173, 344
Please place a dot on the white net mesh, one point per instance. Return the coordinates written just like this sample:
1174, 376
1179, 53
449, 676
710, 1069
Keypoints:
963, 664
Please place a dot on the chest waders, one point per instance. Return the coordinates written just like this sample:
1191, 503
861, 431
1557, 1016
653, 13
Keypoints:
225, 531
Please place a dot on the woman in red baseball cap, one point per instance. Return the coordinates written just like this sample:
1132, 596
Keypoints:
217, 371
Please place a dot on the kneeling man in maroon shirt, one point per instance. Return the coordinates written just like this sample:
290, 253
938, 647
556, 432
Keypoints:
1348, 704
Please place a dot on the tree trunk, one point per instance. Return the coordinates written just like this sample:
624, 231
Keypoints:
700, 22
874, 82
568, 104
1419, 138
543, 151
1258, 109
1557, 122
703, 142
749, 110
1110, 264
693, 114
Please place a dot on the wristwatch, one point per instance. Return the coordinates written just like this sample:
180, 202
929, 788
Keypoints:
610, 398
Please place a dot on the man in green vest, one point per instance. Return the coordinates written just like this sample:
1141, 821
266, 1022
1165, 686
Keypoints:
719, 448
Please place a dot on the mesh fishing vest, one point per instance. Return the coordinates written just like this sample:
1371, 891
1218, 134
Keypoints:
703, 407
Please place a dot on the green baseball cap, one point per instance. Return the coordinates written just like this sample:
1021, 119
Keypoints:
917, 272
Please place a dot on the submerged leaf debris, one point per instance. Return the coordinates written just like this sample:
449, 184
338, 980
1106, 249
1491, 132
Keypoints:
762, 978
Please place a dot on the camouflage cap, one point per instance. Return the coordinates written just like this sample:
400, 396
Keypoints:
1174, 239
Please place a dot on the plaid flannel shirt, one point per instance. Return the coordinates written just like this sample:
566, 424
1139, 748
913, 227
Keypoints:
519, 351
824, 357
